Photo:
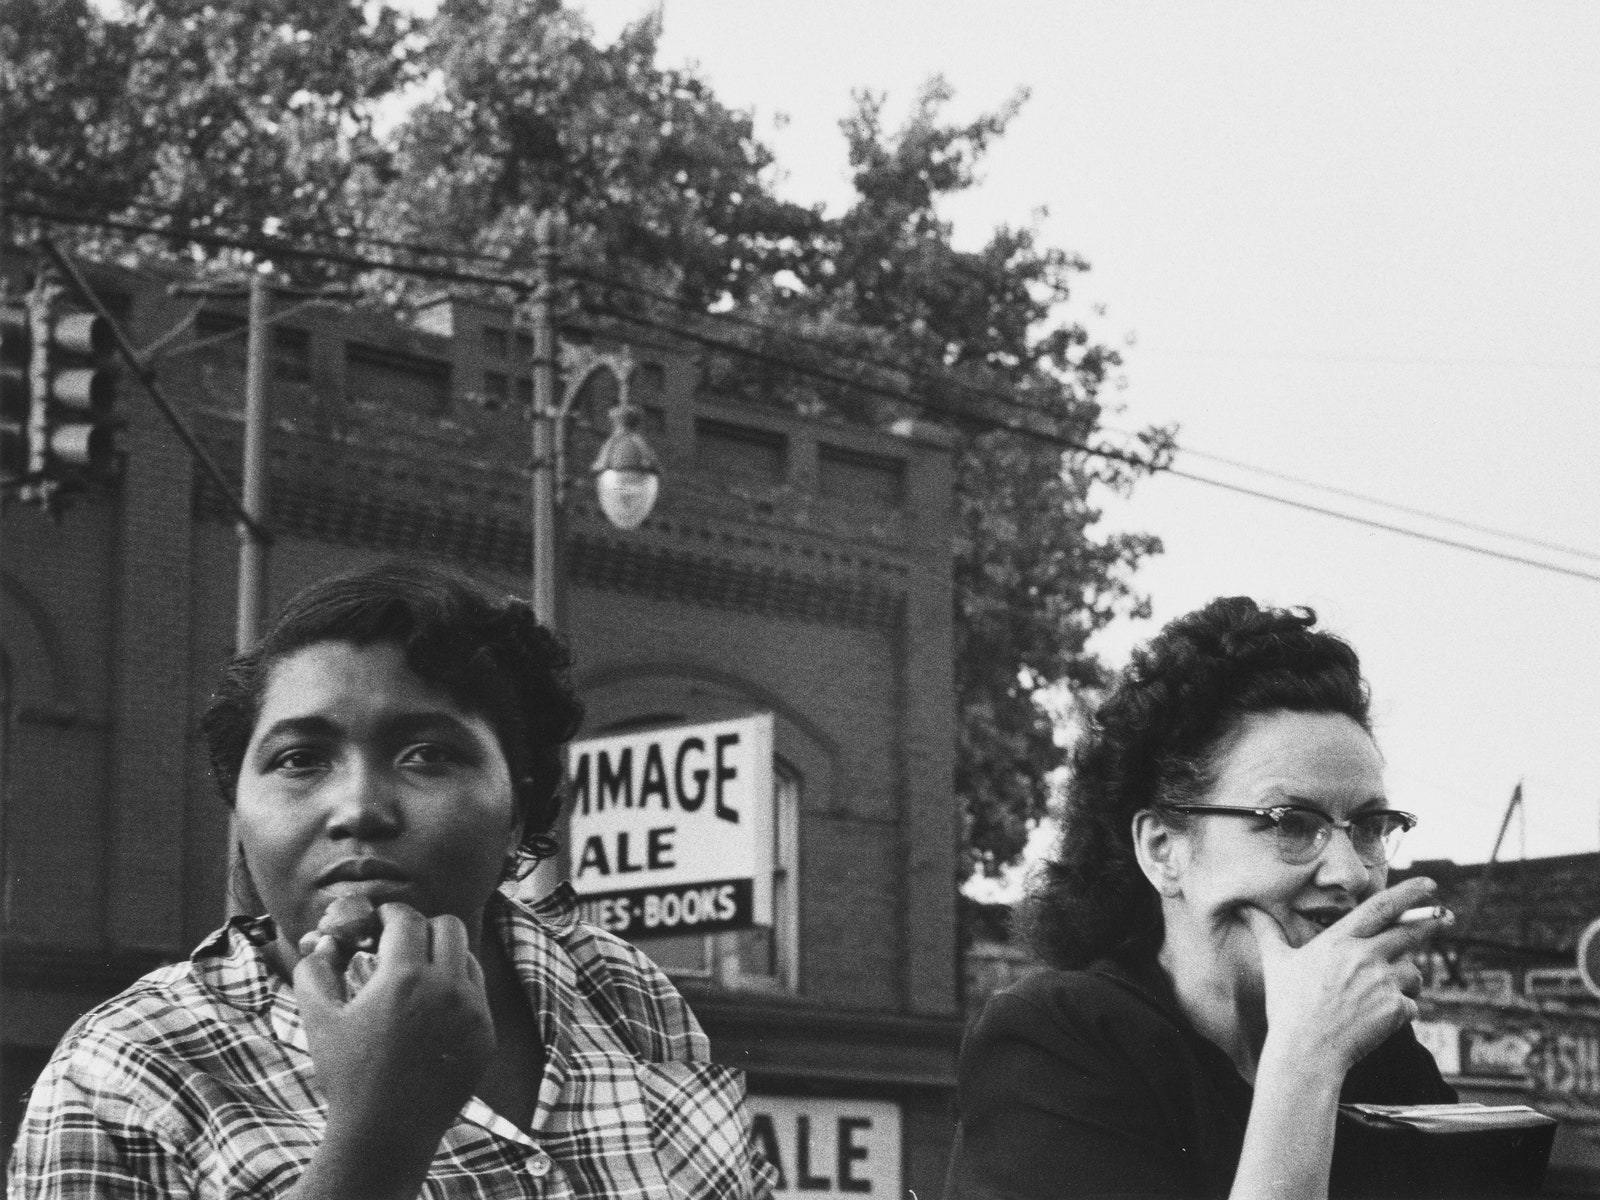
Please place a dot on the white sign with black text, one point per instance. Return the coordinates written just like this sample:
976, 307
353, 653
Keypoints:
825, 1147
671, 829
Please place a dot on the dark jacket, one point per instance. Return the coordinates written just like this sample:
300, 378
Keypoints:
1093, 1083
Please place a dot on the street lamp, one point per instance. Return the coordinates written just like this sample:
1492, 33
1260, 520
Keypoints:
627, 477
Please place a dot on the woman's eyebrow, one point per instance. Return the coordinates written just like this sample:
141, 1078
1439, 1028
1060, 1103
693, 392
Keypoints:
428, 721
306, 726
1371, 802
317, 728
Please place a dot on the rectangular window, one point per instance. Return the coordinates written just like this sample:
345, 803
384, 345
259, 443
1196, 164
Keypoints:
725, 449
495, 343
855, 477
394, 379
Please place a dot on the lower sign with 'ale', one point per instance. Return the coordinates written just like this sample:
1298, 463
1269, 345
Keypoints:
824, 1147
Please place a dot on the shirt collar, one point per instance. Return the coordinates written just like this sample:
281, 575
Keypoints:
557, 911
232, 963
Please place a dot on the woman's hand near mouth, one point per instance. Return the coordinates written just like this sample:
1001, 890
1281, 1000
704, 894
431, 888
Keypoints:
1336, 998
400, 1059
1329, 1003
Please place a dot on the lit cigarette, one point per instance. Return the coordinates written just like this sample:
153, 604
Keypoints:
1428, 912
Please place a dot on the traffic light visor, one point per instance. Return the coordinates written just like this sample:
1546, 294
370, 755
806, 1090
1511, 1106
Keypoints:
81, 333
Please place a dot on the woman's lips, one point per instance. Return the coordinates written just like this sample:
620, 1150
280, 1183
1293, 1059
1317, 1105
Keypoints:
361, 869
372, 879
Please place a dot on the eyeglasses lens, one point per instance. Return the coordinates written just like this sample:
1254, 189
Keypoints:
1376, 836
1382, 833
1302, 835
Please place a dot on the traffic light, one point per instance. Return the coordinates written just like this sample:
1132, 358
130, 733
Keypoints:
71, 392
16, 347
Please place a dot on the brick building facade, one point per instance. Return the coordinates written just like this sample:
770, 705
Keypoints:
792, 567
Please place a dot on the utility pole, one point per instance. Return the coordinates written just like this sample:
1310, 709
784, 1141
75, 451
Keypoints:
253, 540
546, 415
252, 548
251, 508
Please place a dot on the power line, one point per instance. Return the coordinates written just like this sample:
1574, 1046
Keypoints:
1034, 423
272, 247
261, 243
351, 237
1371, 524
1388, 360
1038, 432
916, 370
1365, 498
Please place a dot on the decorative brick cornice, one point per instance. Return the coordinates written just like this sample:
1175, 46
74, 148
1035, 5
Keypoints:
384, 520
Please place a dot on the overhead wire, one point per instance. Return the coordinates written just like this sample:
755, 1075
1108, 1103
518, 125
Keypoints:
1384, 525
580, 274
1366, 498
1387, 360
272, 246
353, 237
267, 245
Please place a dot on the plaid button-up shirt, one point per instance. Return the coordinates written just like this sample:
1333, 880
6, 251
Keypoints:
197, 1082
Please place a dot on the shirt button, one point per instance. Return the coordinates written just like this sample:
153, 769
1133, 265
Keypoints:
540, 1164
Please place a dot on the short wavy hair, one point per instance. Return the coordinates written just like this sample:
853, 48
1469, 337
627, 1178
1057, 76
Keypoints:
1156, 738
488, 653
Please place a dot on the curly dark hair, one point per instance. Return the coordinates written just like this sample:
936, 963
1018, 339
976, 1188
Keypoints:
1156, 737
487, 653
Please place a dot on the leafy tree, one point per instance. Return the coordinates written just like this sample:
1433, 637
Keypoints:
63, 71
254, 117
646, 165
264, 117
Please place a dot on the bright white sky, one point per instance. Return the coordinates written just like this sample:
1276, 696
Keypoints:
1355, 243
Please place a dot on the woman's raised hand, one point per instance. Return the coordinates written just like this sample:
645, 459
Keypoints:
399, 1060
1344, 992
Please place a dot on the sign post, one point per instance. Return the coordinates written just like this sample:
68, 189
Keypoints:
672, 829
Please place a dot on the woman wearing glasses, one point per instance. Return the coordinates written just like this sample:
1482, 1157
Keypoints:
1229, 964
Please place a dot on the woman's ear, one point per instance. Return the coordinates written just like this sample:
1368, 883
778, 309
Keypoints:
519, 819
1159, 852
